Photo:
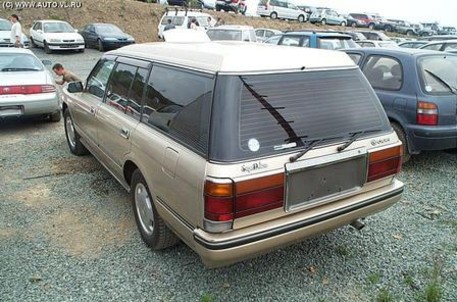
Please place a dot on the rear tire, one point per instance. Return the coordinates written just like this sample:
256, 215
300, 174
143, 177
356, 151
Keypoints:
371, 26
72, 136
152, 228
55, 117
324, 22
402, 136
274, 16
301, 18
388, 28
343, 24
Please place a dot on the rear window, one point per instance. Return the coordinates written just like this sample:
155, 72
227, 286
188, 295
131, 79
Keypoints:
5, 25
336, 43
437, 73
261, 115
11, 62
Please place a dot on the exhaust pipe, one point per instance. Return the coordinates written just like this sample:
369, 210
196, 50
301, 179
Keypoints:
358, 224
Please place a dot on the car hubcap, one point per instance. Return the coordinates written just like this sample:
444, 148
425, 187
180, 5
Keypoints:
71, 136
144, 209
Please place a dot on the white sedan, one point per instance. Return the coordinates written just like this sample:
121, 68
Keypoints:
55, 35
26, 86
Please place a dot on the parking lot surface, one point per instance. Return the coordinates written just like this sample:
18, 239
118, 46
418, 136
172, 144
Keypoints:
67, 233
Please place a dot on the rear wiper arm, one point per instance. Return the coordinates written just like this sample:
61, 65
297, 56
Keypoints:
439, 79
308, 147
354, 136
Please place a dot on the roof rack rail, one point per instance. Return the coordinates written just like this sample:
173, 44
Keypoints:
177, 9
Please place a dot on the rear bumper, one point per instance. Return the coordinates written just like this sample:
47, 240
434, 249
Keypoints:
29, 105
232, 248
432, 138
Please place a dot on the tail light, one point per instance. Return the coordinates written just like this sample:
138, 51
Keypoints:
227, 200
26, 89
427, 113
384, 163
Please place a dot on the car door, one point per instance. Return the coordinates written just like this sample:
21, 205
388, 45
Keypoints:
120, 112
37, 33
90, 36
86, 104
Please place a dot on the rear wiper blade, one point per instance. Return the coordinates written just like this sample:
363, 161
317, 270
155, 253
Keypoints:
439, 79
308, 147
354, 136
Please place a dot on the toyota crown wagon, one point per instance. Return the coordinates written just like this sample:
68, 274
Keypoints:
236, 155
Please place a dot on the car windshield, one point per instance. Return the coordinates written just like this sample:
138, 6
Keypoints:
176, 20
224, 35
57, 27
108, 29
5, 25
261, 115
336, 43
11, 62
438, 73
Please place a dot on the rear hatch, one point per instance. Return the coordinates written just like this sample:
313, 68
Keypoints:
437, 77
274, 139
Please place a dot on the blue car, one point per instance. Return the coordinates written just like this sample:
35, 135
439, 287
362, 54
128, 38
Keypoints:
418, 90
325, 40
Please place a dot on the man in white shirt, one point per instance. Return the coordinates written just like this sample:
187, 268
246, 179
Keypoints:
16, 31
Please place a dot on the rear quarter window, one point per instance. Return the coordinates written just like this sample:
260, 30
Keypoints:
384, 72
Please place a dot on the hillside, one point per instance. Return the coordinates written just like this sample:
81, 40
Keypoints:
139, 19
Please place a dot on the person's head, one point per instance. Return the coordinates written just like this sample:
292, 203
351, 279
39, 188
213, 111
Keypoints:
194, 20
209, 19
58, 69
14, 18
169, 21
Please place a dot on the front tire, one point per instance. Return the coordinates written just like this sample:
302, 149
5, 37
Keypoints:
343, 24
274, 16
46, 48
152, 228
73, 138
324, 22
402, 136
301, 18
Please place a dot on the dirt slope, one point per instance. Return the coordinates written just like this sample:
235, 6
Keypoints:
137, 18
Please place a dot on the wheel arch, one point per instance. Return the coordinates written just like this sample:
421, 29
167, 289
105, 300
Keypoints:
129, 168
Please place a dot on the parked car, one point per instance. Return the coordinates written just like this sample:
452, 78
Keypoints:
307, 9
441, 45
281, 9
403, 27
232, 33
327, 16
427, 29
5, 32
55, 35
439, 38
375, 35
236, 6
356, 36
26, 86
382, 23
447, 30
181, 18
325, 40
207, 4
273, 40
184, 3
353, 22
412, 44
279, 165
104, 36
377, 43
264, 34
365, 20
417, 90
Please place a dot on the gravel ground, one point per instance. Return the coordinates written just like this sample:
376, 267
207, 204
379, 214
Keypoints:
67, 233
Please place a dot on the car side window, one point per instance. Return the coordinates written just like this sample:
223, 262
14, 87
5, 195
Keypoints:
37, 26
269, 34
96, 83
384, 72
125, 89
178, 103
433, 47
260, 33
451, 46
355, 57
291, 41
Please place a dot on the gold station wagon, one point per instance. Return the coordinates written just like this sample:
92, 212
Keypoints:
236, 155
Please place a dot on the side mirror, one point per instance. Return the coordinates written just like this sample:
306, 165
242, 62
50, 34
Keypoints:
75, 87
46, 63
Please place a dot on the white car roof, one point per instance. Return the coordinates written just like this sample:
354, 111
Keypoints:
230, 56
16, 50
52, 21
183, 13
232, 27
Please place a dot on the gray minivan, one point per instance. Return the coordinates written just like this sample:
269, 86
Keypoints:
236, 155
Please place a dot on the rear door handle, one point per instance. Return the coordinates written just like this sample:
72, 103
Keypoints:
125, 133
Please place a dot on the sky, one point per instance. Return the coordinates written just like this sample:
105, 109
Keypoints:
443, 11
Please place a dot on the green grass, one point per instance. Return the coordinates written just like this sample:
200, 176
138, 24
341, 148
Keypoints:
384, 296
433, 292
409, 280
374, 278
207, 298
342, 250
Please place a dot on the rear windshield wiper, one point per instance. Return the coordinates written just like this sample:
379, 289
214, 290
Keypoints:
354, 136
310, 145
439, 79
